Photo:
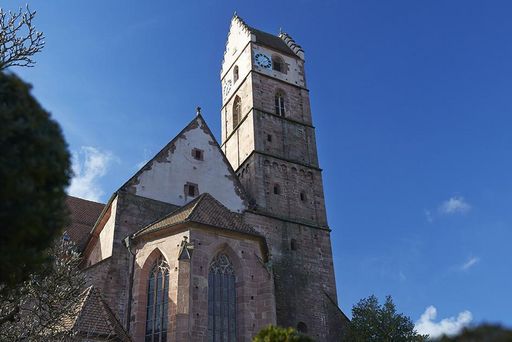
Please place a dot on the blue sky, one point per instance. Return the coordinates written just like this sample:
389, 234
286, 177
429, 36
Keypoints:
411, 101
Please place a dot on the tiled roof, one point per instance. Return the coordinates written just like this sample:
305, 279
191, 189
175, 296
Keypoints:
271, 41
205, 209
280, 43
92, 317
83, 215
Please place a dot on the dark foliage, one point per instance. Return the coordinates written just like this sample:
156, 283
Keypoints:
34, 172
372, 322
481, 333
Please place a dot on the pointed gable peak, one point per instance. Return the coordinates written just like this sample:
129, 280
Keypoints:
191, 163
92, 316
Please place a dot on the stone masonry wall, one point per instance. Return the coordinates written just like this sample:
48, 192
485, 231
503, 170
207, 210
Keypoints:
188, 283
297, 106
254, 284
300, 196
303, 276
133, 213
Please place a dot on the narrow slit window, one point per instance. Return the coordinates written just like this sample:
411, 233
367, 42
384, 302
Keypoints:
277, 189
235, 74
237, 111
302, 196
269, 138
279, 103
293, 244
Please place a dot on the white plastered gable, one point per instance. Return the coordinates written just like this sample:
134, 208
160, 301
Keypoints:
168, 175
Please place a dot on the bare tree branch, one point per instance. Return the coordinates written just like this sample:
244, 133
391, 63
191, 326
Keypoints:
19, 39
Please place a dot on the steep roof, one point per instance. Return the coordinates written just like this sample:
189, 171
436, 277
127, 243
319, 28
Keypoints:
83, 216
205, 209
92, 317
283, 42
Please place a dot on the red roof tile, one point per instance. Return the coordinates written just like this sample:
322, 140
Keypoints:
83, 216
205, 209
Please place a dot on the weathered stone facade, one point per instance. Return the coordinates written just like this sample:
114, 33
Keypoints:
273, 150
256, 200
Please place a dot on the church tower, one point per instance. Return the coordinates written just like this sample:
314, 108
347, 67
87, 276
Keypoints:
269, 138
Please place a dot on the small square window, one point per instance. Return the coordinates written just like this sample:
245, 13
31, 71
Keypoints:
191, 190
198, 154
293, 244
277, 189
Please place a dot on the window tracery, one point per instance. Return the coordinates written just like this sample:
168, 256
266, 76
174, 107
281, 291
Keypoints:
221, 300
157, 302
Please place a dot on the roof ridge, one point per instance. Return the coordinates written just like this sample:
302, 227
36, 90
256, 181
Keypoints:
86, 293
179, 210
104, 308
84, 199
184, 207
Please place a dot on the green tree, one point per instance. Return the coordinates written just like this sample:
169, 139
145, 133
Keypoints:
34, 172
372, 322
278, 334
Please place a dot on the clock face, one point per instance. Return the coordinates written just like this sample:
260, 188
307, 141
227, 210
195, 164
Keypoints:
263, 60
226, 87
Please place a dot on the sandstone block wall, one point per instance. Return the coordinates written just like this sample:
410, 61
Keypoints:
188, 296
305, 287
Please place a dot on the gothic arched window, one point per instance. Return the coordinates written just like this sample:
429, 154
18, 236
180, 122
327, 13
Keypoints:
279, 103
278, 64
221, 300
157, 304
302, 328
235, 74
237, 111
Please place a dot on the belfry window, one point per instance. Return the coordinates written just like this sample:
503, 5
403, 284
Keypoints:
157, 304
235, 74
279, 103
237, 111
278, 64
221, 300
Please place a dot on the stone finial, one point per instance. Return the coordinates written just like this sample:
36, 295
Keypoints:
198, 112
